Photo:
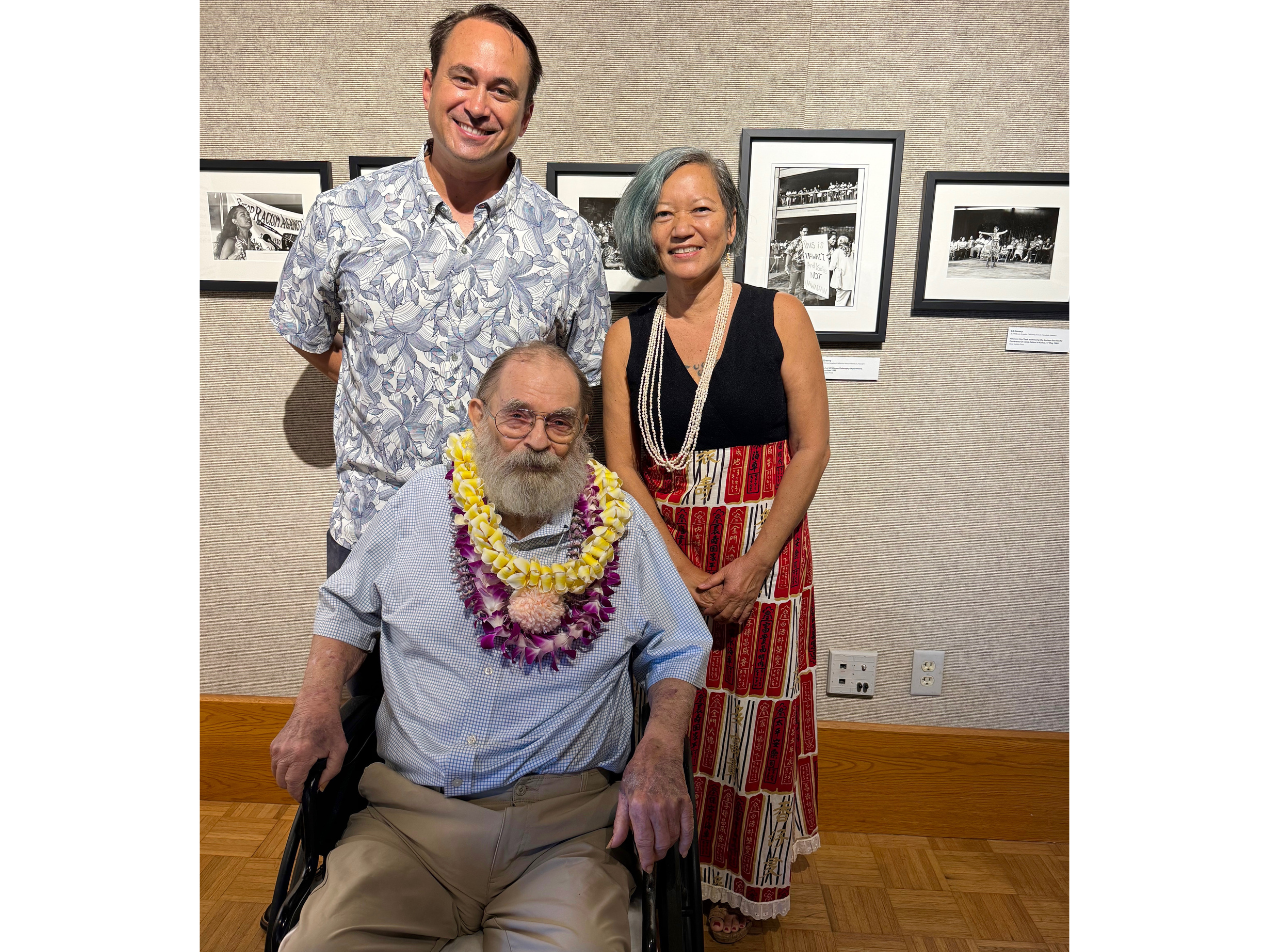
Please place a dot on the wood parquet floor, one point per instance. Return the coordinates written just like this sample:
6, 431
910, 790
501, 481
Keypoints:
859, 892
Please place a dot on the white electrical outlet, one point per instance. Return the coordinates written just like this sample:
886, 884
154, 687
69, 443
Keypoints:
927, 672
852, 673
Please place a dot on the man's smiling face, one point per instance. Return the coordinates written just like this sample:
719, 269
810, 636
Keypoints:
476, 100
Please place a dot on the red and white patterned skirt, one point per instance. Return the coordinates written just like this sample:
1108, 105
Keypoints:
754, 751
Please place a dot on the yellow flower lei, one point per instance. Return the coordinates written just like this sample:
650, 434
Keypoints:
484, 528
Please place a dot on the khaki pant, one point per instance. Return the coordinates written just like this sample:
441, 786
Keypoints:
528, 864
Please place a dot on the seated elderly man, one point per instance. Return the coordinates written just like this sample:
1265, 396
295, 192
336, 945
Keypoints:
511, 585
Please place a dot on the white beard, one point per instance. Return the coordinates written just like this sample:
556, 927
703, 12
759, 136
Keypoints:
526, 483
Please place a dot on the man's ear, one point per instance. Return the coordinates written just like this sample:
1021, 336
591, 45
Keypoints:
475, 411
427, 86
528, 114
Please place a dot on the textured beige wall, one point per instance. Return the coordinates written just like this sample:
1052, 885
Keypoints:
942, 520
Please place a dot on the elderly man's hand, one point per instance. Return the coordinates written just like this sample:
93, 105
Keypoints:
314, 731
654, 804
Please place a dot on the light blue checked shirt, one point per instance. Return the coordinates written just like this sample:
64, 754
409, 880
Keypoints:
426, 310
459, 717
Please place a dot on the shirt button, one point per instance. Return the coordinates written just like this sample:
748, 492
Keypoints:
488, 670
472, 740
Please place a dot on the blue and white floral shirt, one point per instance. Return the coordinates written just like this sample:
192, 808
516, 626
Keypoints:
425, 311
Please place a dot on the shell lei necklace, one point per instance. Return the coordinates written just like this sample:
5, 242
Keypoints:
535, 613
651, 427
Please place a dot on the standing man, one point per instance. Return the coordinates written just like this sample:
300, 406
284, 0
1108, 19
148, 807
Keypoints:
797, 267
435, 266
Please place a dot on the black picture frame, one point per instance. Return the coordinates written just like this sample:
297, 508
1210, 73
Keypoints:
872, 243
217, 282
623, 287
360, 164
988, 190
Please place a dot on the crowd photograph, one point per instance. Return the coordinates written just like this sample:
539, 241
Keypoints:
810, 202
598, 213
817, 186
1002, 243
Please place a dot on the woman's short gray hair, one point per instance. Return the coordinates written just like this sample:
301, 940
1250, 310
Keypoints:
632, 221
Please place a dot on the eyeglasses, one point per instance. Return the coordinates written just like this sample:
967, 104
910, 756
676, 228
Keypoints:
515, 423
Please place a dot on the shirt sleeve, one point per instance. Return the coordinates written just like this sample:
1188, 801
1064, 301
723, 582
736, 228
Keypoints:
348, 604
305, 308
592, 312
676, 642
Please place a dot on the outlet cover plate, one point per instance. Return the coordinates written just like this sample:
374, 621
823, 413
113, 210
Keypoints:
927, 672
852, 673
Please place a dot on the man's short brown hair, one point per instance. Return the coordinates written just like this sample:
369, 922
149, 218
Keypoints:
490, 13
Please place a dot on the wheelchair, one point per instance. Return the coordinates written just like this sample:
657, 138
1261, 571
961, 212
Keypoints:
665, 909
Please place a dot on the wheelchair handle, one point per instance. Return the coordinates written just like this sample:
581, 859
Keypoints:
311, 789
308, 816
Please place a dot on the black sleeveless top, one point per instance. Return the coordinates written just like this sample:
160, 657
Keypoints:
745, 405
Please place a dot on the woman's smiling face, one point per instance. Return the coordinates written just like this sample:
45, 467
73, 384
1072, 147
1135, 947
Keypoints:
689, 225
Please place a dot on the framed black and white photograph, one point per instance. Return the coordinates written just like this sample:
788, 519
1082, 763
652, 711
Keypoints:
822, 208
593, 190
250, 213
361, 164
994, 242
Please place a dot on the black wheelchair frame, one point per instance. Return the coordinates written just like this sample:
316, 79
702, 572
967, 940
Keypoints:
670, 894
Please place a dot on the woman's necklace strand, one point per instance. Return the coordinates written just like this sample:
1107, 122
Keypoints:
651, 425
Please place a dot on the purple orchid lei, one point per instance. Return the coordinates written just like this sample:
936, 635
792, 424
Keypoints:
488, 596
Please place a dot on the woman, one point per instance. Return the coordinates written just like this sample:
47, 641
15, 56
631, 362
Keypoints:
234, 240
717, 424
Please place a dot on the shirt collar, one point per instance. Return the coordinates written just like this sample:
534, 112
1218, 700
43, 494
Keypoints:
500, 201
549, 531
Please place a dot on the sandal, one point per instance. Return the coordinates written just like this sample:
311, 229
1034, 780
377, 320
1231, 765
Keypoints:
717, 913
